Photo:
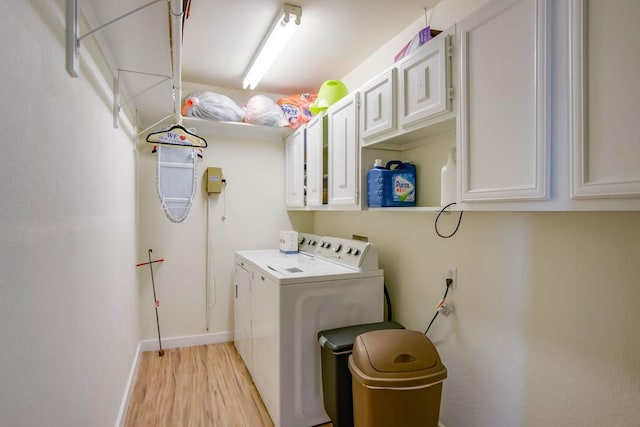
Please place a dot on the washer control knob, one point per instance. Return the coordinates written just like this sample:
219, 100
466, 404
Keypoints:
312, 242
337, 248
302, 240
355, 252
349, 249
327, 245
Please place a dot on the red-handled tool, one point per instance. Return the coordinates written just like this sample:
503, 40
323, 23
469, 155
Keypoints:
152, 262
155, 299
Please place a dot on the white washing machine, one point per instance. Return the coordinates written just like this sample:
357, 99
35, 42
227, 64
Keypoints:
284, 300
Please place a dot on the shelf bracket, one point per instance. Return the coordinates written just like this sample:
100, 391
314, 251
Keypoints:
73, 39
116, 91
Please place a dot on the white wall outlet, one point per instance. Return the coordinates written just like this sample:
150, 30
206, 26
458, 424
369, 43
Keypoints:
452, 273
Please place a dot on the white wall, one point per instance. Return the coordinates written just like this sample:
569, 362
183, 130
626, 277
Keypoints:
441, 17
544, 328
68, 289
253, 206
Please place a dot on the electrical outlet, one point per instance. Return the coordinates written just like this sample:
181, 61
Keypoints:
452, 273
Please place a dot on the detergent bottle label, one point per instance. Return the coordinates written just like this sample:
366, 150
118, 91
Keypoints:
404, 189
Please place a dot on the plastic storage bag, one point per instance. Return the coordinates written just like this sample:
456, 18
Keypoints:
213, 106
262, 110
296, 108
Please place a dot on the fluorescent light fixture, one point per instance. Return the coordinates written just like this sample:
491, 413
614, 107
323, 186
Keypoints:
280, 33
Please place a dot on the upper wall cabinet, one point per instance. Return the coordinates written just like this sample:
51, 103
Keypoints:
378, 112
503, 123
411, 101
294, 168
605, 99
344, 152
316, 161
425, 89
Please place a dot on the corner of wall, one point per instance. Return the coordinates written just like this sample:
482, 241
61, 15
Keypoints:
128, 390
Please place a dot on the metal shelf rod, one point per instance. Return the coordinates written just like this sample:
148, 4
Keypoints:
73, 40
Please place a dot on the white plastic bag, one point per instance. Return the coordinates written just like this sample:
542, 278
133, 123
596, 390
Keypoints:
213, 106
262, 110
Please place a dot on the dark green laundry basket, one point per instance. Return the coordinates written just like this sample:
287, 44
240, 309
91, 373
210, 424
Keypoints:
336, 346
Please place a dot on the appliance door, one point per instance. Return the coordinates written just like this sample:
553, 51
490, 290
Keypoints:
265, 339
306, 310
242, 314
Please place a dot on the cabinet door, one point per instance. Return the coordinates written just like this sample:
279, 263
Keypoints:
242, 315
424, 82
316, 160
294, 154
503, 125
605, 99
378, 112
343, 151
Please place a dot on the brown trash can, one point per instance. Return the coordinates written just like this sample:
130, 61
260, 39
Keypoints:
397, 379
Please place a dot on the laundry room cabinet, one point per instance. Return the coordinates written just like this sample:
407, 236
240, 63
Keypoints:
503, 124
548, 107
295, 168
413, 100
378, 112
605, 149
542, 109
344, 152
408, 114
425, 83
316, 161
306, 162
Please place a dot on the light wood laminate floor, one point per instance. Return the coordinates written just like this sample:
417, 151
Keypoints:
195, 386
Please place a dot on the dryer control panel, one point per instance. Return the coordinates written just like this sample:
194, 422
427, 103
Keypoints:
356, 254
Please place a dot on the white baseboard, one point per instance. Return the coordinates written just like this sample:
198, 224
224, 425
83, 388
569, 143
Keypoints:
133, 372
188, 341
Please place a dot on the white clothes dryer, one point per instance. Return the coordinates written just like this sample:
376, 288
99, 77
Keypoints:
284, 300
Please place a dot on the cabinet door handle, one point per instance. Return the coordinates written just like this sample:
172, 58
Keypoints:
236, 291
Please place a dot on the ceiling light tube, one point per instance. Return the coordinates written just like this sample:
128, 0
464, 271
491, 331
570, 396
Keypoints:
280, 33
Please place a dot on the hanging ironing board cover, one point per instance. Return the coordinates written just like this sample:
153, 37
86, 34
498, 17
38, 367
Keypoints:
176, 180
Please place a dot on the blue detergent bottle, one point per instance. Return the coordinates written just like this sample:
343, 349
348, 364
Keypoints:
376, 178
401, 190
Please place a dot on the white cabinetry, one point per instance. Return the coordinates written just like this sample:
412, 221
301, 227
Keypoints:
520, 144
424, 79
378, 112
503, 122
605, 97
316, 160
411, 101
295, 168
344, 150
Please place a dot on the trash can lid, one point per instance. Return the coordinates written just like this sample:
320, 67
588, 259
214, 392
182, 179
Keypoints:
341, 339
396, 358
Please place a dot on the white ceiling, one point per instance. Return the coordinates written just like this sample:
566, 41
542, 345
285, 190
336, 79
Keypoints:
220, 39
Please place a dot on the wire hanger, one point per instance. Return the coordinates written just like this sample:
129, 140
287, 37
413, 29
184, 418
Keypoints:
177, 135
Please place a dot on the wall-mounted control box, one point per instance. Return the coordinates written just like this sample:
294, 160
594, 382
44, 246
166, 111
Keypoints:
214, 180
